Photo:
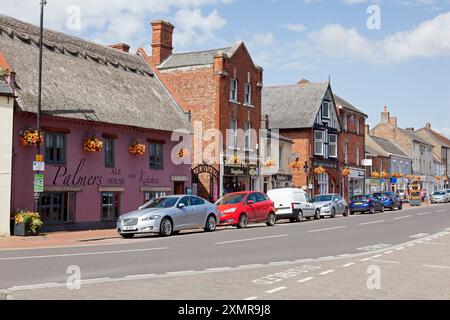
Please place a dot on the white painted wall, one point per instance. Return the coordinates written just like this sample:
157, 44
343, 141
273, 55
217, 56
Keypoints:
6, 132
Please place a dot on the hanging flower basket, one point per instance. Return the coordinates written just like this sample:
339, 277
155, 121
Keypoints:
92, 145
384, 175
30, 137
295, 165
269, 163
319, 170
345, 172
183, 153
375, 174
136, 149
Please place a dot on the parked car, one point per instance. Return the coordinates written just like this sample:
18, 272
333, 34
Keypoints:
240, 208
390, 200
403, 195
440, 197
366, 203
331, 204
448, 193
293, 204
168, 215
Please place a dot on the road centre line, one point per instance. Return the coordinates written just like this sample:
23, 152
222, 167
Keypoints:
348, 264
371, 222
136, 276
35, 286
403, 217
327, 229
251, 239
423, 213
276, 290
442, 210
82, 254
437, 267
326, 272
385, 261
305, 280
387, 252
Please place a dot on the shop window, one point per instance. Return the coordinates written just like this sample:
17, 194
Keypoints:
110, 205
55, 148
151, 195
156, 156
109, 152
57, 207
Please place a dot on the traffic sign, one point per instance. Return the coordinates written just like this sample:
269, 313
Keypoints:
38, 166
38, 183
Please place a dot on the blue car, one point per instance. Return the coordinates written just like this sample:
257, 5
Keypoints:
365, 203
390, 200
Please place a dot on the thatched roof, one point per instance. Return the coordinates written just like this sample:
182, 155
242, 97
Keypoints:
85, 80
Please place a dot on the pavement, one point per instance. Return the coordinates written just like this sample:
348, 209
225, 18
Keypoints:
407, 252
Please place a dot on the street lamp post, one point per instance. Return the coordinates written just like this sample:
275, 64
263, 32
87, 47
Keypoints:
306, 168
39, 157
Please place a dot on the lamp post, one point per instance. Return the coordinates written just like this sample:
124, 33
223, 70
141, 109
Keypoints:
306, 168
39, 157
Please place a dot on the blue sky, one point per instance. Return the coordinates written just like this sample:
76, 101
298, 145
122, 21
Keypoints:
404, 64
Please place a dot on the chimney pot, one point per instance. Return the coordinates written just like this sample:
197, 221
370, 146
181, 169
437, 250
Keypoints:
162, 36
385, 115
428, 125
121, 47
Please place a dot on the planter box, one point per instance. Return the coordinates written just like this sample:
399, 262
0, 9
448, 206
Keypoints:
22, 230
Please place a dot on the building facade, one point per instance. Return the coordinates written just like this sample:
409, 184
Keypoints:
351, 148
417, 148
380, 162
107, 146
221, 89
306, 113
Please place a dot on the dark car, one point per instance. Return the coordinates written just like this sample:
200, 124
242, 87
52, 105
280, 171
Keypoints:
366, 203
390, 200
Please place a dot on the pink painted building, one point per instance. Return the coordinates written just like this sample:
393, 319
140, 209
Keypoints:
89, 90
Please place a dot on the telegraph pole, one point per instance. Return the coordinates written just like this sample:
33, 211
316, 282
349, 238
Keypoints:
39, 157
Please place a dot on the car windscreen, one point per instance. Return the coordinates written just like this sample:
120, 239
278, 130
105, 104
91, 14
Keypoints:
324, 198
382, 195
161, 203
439, 193
359, 198
231, 199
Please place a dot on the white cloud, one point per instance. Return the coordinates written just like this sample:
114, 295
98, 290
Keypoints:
294, 27
263, 39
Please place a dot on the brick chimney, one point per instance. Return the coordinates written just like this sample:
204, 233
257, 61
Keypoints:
162, 34
385, 115
219, 64
393, 121
121, 47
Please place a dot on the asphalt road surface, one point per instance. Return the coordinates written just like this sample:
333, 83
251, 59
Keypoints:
256, 247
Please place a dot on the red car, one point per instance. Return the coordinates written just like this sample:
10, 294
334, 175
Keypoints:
240, 208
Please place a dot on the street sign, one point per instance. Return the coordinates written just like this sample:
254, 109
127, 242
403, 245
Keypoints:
38, 183
38, 166
367, 162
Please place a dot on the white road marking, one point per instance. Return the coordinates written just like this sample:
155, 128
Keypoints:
327, 229
442, 210
34, 286
377, 256
399, 248
276, 290
276, 263
411, 245
365, 259
390, 251
385, 261
348, 264
252, 239
95, 280
251, 298
403, 217
437, 267
436, 243
137, 276
82, 254
218, 269
423, 213
180, 272
326, 272
251, 265
305, 280
327, 257
344, 255
419, 235
372, 222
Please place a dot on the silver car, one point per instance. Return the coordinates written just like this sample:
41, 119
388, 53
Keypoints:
169, 215
331, 205
439, 197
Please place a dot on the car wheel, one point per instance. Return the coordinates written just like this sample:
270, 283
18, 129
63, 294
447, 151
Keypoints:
299, 217
400, 207
166, 228
127, 235
243, 221
271, 220
211, 224
345, 212
333, 213
382, 209
372, 210
317, 215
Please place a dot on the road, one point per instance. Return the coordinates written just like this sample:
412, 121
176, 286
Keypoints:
258, 249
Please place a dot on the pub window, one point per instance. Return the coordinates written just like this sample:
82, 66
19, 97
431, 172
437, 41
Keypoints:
151, 195
57, 207
110, 206
156, 156
109, 152
55, 148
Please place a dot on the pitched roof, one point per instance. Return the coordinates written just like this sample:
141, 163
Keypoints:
414, 136
198, 58
374, 151
388, 146
275, 135
347, 105
443, 140
85, 80
5, 90
293, 106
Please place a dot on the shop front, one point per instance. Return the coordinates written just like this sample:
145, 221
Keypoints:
356, 182
240, 177
281, 181
376, 185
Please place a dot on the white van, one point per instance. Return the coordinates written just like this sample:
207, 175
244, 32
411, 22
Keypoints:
293, 204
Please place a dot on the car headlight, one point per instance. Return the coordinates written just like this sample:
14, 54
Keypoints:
232, 210
150, 218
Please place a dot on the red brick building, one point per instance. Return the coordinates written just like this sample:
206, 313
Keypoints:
221, 89
351, 147
306, 113
380, 163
